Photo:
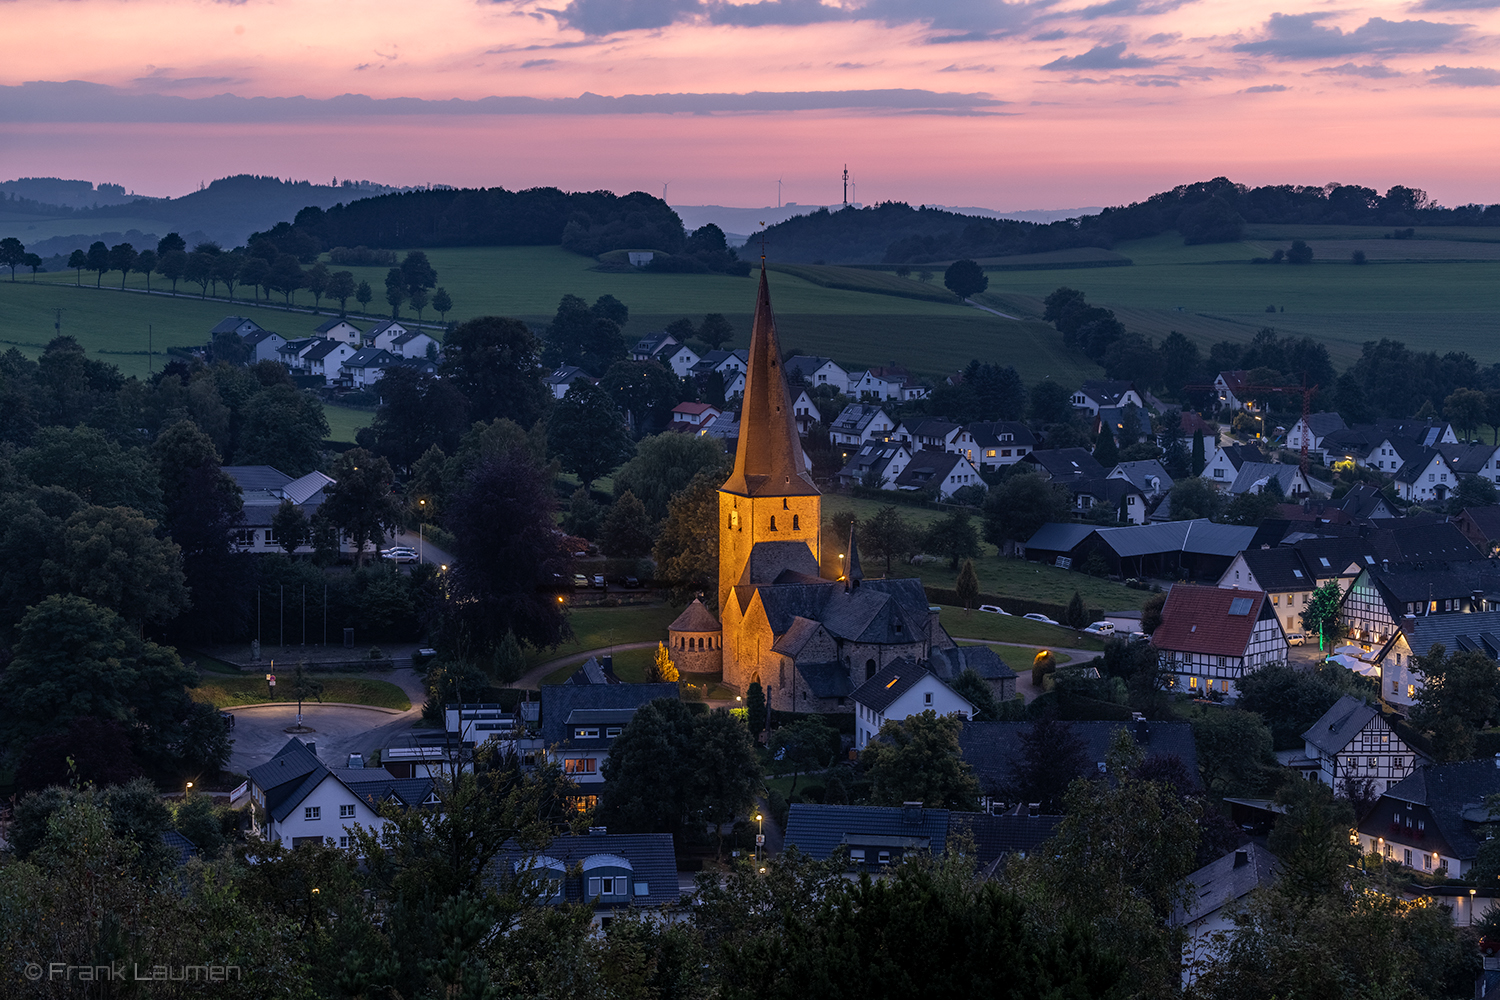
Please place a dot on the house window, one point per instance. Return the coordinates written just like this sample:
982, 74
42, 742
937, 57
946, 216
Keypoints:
312, 812
1373, 762
243, 536
885, 857
270, 537
1406, 856
1218, 473
591, 733
991, 453
346, 812
773, 522
1398, 761
927, 698
579, 765
1192, 683
612, 731
857, 855
343, 843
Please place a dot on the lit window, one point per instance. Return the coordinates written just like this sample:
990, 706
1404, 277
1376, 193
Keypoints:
579, 765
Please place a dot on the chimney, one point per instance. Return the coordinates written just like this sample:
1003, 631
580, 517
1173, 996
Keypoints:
311, 745
1241, 858
911, 813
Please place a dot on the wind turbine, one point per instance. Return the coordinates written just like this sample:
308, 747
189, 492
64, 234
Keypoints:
664, 190
778, 192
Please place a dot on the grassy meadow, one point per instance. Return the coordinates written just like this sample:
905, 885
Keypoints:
227, 692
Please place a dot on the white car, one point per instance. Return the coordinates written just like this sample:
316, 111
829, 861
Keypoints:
992, 609
1101, 628
400, 554
1034, 616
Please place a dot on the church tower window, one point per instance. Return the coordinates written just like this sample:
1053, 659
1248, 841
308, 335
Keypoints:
796, 522
773, 522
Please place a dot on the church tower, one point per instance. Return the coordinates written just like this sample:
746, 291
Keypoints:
770, 495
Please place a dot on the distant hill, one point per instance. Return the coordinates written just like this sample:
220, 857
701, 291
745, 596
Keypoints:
1215, 211
55, 195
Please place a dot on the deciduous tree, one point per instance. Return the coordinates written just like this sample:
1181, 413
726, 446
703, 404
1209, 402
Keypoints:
587, 433
687, 547
626, 532
361, 501
917, 760
965, 278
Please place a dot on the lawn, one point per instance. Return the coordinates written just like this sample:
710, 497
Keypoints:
630, 666
344, 421
596, 628
227, 692
1020, 658
1013, 628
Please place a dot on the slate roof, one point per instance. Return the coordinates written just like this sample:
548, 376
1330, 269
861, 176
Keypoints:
986, 434
287, 778
1064, 463
948, 664
768, 560
790, 642
593, 672
381, 327
649, 855
872, 457
320, 351
409, 336
805, 364
993, 749
1448, 790
1413, 468
1411, 542
1485, 519
1105, 491
560, 701
819, 830
1200, 620
1437, 581
1323, 424
1106, 393
1253, 476
1362, 501
890, 682
257, 336
694, 618
1141, 473
1278, 569
184, 848
1239, 454
996, 836
566, 375
1056, 536
231, 324
376, 785
257, 477
826, 680
1227, 879
327, 325
855, 417
1340, 724
1325, 557
928, 467
1475, 632
370, 357
1200, 537
300, 491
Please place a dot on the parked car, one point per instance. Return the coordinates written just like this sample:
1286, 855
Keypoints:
1034, 616
400, 554
632, 582
1296, 639
1101, 628
599, 580
994, 610
579, 580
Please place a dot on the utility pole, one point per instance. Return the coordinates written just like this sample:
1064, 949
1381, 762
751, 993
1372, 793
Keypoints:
846, 185
150, 347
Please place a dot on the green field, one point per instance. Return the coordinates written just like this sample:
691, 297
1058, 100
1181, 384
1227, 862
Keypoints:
1020, 658
629, 665
1212, 292
1007, 628
596, 628
344, 421
227, 692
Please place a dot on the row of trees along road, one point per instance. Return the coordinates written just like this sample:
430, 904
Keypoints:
261, 267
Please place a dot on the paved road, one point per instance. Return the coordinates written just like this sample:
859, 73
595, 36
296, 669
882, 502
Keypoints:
260, 730
987, 309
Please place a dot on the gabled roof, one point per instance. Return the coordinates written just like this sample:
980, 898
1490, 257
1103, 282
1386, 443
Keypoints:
1209, 620
1475, 632
647, 856
287, 778
694, 409
1221, 882
381, 327
983, 660
1059, 536
255, 337
257, 477
299, 491
993, 749
321, 350
996, 836
232, 324
939, 429
1420, 461
1235, 381
1106, 392
559, 701
826, 680
819, 830
1485, 519
891, 682
927, 467
798, 635
808, 364
1340, 724
1409, 541
409, 336
768, 461
987, 434
180, 845
1278, 569
1239, 454
327, 325
1200, 537
1252, 477
856, 417
1448, 791
1064, 463
593, 672
1141, 473
1327, 557
695, 618
370, 357
1323, 424
1107, 491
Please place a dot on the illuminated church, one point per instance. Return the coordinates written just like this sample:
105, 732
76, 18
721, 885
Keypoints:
808, 640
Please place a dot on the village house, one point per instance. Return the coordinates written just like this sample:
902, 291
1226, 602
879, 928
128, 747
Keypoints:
876, 465
1481, 526
363, 368
899, 691
816, 371
1224, 465
692, 416
1210, 637
1415, 635
560, 380
341, 330
1000, 443
1254, 477
1148, 476
579, 724
1210, 905
385, 334
613, 873
1425, 476
296, 799
806, 411
1233, 390
1289, 574
1064, 465
874, 837
237, 325
1353, 742
325, 358
414, 344
263, 345
292, 353
1435, 819
1127, 503
1097, 394
1311, 430
943, 470
859, 424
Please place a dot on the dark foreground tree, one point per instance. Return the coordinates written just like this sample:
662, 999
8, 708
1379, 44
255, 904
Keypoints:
965, 278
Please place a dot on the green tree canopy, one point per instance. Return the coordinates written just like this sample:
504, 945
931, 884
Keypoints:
360, 501
85, 462
1018, 507
954, 537
113, 557
918, 760
282, 428
965, 278
687, 547
495, 363
587, 433
664, 465
626, 532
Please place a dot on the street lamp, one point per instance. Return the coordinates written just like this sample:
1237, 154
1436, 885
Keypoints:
421, 527
189, 792
1471, 906
760, 839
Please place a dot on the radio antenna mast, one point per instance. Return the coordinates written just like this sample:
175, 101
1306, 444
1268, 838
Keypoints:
846, 185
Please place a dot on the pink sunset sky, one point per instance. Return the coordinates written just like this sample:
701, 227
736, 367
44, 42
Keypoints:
1041, 104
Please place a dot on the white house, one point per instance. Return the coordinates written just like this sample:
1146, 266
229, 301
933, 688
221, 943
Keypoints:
693, 415
296, 799
949, 470
1426, 477
816, 371
734, 384
384, 334
1209, 638
1149, 476
1353, 742
1223, 467
238, 325
1207, 915
858, 425
806, 411
364, 367
560, 380
292, 353
264, 345
1097, 394
1312, 429
1000, 443
1435, 819
877, 464
680, 359
341, 330
414, 345
327, 358
1233, 391
1255, 477
579, 724
902, 689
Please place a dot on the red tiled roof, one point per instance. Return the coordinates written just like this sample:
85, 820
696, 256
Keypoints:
694, 408
1197, 620
1235, 381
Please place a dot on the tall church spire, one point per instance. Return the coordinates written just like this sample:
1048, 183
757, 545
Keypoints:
853, 573
769, 461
